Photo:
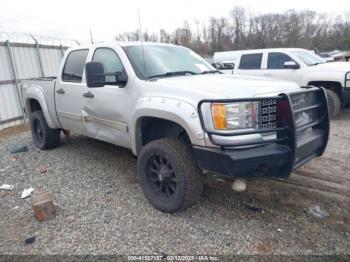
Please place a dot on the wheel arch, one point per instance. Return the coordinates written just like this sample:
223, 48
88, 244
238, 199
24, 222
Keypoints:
163, 121
153, 128
34, 101
332, 85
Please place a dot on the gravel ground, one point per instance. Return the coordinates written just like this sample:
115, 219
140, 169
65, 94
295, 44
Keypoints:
101, 208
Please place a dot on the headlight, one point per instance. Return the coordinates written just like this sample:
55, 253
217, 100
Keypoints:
347, 80
233, 116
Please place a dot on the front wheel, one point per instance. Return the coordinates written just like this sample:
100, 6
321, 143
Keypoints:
44, 137
334, 103
168, 175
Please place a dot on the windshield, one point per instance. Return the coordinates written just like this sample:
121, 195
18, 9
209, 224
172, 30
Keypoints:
165, 61
308, 58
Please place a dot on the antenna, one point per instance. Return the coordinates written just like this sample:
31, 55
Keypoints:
91, 37
141, 38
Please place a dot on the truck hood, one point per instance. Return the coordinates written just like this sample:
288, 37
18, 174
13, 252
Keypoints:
221, 86
331, 67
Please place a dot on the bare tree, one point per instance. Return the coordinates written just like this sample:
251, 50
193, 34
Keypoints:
246, 30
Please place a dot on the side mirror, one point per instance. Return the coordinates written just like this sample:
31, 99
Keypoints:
217, 66
122, 79
95, 76
229, 65
291, 65
118, 77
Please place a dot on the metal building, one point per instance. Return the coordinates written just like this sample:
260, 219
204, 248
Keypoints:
22, 57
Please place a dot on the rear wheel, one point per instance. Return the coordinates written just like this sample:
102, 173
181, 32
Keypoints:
334, 103
168, 175
44, 137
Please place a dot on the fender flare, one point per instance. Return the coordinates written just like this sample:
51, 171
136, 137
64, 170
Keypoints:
177, 111
36, 93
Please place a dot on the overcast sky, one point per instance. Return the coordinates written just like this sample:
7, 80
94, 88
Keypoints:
73, 19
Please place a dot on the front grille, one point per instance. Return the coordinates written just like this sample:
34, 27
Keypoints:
266, 114
306, 108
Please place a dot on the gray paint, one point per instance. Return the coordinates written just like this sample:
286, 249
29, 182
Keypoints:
114, 114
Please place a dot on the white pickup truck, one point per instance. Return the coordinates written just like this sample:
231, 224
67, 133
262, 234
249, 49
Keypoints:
294, 64
181, 117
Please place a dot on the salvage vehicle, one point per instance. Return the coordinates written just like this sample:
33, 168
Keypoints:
294, 64
182, 118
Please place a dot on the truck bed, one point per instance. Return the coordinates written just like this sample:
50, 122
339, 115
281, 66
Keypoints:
46, 85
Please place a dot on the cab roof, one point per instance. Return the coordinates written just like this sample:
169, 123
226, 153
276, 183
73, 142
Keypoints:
262, 50
122, 44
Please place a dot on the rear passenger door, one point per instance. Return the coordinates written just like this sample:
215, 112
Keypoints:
275, 68
250, 64
69, 91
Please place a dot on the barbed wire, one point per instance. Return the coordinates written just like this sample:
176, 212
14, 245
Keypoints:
32, 38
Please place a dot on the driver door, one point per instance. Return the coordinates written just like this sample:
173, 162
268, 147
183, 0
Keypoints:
275, 68
106, 111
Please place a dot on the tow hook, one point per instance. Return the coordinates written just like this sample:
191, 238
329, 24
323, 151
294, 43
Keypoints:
239, 185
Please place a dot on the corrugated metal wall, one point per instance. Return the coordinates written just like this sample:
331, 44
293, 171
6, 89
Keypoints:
21, 61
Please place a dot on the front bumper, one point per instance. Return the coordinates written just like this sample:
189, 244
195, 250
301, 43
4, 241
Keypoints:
295, 145
245, 162
346, 89
346, 95
271, 160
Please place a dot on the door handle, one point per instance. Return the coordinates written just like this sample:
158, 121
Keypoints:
267, 74
88, 94
60, 91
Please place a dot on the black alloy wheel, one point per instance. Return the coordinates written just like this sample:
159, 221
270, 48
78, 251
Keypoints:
161, 176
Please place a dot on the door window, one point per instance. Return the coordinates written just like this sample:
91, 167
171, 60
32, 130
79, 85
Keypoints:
276, 60
251, 61
111, 63
74, 66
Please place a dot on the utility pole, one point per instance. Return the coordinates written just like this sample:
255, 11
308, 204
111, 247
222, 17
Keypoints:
91, 37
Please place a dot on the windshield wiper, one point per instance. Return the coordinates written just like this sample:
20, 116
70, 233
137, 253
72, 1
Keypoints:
317, 63
175, 73
210, 72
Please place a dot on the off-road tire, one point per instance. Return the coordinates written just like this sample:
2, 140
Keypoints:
334, 103
188, 175
43, 136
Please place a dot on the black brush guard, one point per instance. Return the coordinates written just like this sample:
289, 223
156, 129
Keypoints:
295, 144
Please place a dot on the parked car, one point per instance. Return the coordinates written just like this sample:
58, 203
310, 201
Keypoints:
294, 64
327, 57
178, 115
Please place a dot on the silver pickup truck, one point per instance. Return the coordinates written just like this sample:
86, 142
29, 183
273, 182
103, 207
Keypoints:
181, 117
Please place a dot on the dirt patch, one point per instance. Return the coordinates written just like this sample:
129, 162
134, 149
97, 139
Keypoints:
13, 131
